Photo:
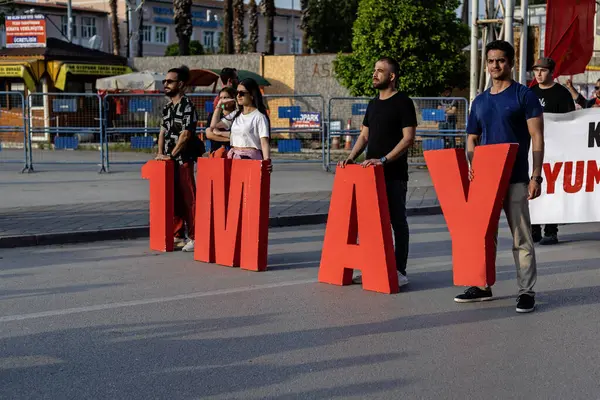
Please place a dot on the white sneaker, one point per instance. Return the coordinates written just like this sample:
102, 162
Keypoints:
402, 280
189, 247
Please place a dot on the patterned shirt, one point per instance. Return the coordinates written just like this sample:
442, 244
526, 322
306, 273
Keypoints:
176, 119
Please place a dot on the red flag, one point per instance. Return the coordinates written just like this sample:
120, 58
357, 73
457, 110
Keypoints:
570, 34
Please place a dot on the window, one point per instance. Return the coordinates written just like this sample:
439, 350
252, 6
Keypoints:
64, 26
38, 100
147, 34
160, 34
208, 39
88, 27
296, 46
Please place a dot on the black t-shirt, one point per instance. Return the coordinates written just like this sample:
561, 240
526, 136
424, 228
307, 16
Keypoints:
385, 120
556, 100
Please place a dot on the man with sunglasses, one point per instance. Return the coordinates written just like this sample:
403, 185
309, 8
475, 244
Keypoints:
555, 99
582, 101
177, 141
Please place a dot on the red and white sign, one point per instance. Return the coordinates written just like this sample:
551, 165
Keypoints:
25, 31
571, 187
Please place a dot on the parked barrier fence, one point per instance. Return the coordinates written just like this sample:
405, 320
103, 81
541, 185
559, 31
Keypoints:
441, 123
60, 123
14, 141
297, 127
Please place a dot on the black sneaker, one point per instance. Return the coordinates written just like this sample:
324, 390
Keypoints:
525, 303
547, 240
474, 294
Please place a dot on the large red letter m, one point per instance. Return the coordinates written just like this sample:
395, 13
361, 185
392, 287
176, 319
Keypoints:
472, 209
232, 213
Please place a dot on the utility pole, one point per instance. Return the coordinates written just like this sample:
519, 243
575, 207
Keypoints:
294, 50
474, 48
523, 43
69, 21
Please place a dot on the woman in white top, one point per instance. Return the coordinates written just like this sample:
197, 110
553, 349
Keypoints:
250, 129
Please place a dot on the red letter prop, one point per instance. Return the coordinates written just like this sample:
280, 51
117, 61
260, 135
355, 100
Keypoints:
472, 209
161, 175
359, 210
232, 212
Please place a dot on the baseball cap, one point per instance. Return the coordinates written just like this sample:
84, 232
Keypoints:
545, 62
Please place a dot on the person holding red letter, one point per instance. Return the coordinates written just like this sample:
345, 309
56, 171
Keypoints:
509, 112
389, 127
177, 141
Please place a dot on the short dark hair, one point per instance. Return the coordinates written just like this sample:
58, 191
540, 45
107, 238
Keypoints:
227, 74
394, 66
504, 46
183, 73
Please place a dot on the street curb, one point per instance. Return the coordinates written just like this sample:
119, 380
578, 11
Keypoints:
137, 232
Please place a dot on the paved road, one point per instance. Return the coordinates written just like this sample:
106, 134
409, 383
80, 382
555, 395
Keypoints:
113, 320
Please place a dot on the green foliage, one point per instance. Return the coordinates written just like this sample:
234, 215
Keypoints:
425, 36
196, 49
328, 24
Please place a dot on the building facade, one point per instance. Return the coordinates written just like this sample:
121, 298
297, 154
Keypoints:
88, 23
158, 29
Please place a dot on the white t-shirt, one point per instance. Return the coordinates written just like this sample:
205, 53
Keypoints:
247, 130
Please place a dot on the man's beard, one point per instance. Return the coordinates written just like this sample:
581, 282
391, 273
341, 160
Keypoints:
384, 84
171, 93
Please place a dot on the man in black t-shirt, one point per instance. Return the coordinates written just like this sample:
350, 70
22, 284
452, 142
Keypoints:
389, 128
556, 99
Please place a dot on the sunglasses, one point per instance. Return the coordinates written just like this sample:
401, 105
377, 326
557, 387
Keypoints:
168, 81
597, 87
242, 93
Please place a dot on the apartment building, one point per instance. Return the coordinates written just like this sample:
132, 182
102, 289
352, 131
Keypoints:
207, 18
88, 23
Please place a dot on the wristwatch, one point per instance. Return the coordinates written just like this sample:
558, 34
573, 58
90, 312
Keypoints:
383, 160
538, 179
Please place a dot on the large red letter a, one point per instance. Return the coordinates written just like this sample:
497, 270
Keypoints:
472, 209
232, 212
359, 210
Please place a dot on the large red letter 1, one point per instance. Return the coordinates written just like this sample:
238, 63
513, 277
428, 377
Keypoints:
232, 212
359, 210
161, 175
472, 209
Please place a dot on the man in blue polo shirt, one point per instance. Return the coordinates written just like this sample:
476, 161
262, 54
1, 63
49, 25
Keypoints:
509, 112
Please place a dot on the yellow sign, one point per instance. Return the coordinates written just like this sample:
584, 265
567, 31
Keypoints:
87, 69
11, 71
93, 69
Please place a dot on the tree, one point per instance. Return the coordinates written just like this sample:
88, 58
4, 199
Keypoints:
253, 17
238, 26
227, 37
116, 35
182, 10
196, 49
328, 24
140, 35
303, 25
268, 9
425, 37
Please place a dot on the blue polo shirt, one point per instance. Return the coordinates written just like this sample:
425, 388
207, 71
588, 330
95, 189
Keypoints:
502, 118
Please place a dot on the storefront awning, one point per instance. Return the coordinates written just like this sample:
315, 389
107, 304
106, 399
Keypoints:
9, 70
58, 71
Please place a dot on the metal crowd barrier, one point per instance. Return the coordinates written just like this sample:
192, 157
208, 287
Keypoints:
66, 128
14, 141
442, 123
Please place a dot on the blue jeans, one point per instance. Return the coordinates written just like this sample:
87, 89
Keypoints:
396, 194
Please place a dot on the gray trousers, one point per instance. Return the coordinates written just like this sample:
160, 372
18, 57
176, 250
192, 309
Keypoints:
516, 208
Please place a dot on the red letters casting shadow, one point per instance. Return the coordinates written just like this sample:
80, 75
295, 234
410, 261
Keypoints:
472, 209
161, 177
232, 212
359, 210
